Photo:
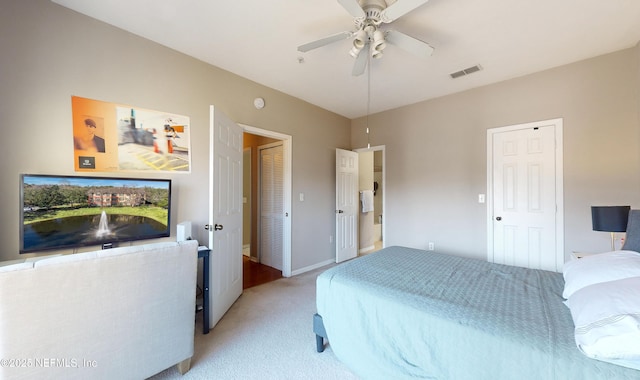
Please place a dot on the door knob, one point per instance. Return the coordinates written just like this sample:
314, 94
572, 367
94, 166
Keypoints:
498, 218
217, 227
339, 211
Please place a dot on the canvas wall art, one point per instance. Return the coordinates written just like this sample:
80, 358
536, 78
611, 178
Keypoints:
109, 137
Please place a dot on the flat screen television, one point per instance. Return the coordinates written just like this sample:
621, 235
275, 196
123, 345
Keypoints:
60, 212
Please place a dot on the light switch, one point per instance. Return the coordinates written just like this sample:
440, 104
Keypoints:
480, 198
301, 197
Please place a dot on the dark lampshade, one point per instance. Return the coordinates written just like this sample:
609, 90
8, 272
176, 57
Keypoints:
610, 218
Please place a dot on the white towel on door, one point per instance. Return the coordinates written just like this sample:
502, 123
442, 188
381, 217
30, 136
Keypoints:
366, 197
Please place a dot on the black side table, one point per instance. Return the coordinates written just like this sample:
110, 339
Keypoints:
203, 252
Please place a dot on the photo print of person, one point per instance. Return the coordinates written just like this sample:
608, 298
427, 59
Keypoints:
87, 136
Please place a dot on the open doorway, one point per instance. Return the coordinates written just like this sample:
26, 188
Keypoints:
266, 241
371, 178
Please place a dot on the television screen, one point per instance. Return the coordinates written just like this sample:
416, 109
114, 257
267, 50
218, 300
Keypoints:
74, 211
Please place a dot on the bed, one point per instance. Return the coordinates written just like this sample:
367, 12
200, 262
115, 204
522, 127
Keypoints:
407, 313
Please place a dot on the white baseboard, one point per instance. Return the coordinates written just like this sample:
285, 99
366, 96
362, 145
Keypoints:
367, 249
312, 267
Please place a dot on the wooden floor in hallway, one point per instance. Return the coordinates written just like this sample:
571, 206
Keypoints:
254, 274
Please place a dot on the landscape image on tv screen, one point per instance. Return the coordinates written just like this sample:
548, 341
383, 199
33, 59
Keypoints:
74, 211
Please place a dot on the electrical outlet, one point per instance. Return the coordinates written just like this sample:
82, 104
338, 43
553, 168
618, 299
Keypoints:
432, 246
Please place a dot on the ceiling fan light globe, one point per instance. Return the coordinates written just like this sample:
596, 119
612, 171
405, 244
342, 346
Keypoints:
360, 39
379, 46
378, 41
354, 52
377, 54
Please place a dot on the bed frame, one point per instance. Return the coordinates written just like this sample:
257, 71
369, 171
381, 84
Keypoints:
321, 333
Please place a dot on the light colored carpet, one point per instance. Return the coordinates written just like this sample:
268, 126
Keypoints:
267, 334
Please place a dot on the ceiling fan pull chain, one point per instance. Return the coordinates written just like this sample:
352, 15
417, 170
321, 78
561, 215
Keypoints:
368, 98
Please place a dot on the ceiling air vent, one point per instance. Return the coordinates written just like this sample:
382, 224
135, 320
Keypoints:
467, 71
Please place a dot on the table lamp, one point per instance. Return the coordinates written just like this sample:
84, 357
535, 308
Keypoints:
610, 219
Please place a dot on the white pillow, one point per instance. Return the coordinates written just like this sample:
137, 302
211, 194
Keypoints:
607, 320
598, 268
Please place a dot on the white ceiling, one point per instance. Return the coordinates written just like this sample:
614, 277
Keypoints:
258, 40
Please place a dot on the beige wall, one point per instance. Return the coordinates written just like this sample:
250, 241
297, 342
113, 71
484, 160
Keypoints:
436, 152
50, 53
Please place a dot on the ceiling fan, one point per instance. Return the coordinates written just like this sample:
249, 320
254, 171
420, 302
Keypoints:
369, 15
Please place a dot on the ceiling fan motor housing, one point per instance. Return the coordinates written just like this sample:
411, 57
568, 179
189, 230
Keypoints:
372, 10
367, 28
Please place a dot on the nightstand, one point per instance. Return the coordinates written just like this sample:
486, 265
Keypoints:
203, 252
579, 255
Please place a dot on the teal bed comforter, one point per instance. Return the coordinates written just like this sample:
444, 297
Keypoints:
403, 313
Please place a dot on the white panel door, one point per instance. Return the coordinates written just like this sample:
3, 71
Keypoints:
271, 205
347, 201
524, 198
225, 214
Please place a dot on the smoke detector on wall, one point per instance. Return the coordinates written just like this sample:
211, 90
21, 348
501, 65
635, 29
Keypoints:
258, 103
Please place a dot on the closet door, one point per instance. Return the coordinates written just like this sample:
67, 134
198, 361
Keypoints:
526, 218
271, 205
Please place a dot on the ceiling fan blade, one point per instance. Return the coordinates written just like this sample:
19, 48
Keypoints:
324, 41
408, 43
361, 62
353, 7
400, 8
